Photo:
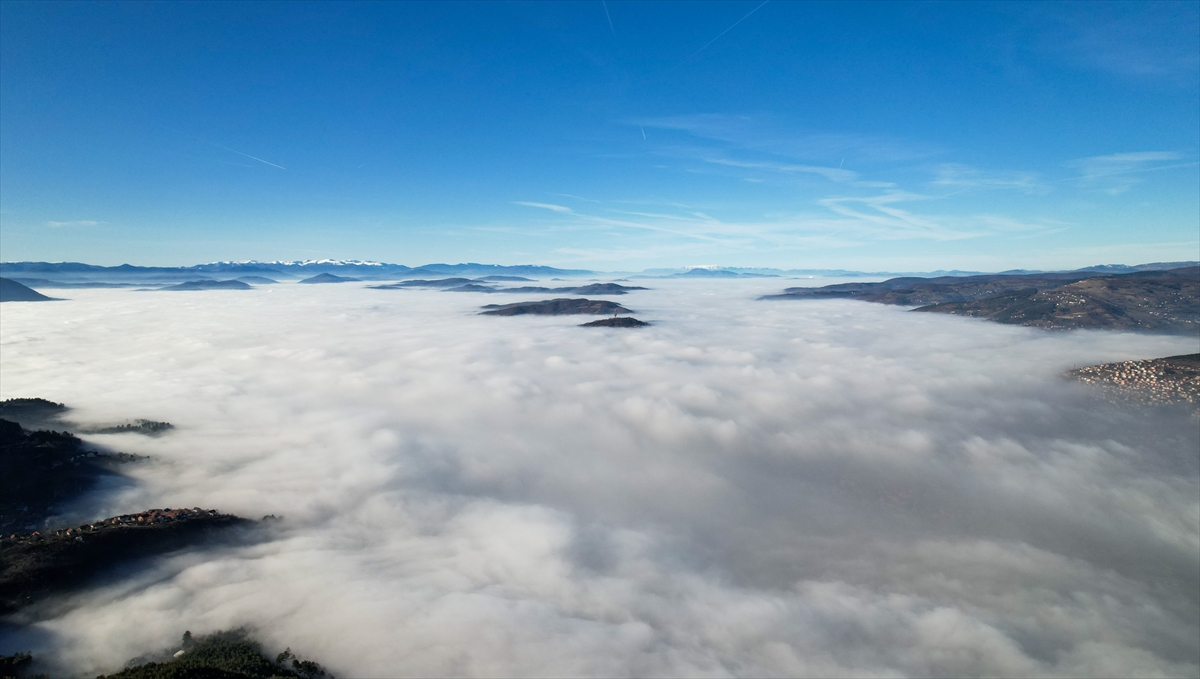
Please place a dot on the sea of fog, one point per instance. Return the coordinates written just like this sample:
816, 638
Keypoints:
800, 488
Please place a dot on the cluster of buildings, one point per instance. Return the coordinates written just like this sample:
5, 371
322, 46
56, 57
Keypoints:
148, 517
1149, 382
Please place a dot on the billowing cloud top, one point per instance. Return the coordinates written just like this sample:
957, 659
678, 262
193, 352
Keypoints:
744, 488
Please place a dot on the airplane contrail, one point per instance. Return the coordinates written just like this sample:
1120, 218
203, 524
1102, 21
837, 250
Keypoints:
213, 143
643, 131
719, 36
247, 155
610, 25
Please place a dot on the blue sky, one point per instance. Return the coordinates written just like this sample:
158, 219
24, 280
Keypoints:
616, 135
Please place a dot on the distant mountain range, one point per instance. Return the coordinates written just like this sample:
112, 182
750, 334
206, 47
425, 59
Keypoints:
76, 274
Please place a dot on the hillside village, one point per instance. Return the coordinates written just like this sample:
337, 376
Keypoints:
1175, 379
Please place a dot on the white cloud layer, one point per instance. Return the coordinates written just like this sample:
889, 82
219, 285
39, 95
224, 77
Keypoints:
823, 489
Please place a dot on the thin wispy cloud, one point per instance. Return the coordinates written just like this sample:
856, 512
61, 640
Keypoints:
838, 222
993, 223
689, 216
835, 174
571, 195
957, 175
543, 206
767, 134
869, 210
1117, 163
880, 216
866, 211
78, 222
689, 228
1116, 172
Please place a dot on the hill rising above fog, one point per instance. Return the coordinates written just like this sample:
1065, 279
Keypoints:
1167, 301
616, 322
556, 307
12, 291
209, 285
1152, 300
1174, 379
473, 285
42, 470
328, 278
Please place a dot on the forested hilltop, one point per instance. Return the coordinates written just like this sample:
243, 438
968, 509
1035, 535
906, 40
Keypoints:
42, 469
1163, 301
235, 654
